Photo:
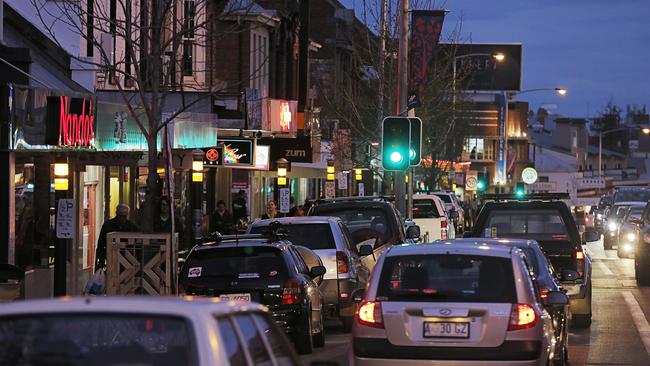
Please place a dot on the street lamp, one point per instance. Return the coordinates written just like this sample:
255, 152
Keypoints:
644, 130
560, 90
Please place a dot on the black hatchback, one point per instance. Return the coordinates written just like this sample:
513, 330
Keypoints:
263, 269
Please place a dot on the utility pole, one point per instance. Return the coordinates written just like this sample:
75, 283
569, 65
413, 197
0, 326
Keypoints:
402, 86
380, 96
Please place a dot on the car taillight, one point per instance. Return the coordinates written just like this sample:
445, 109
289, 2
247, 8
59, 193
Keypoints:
342, 262
522, 316
580, 262
443, 224
543, 293
369, 314
292, 292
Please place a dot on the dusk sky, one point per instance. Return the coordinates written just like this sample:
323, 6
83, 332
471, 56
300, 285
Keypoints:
598, 49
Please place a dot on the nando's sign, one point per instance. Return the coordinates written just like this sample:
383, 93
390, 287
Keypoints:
70, 122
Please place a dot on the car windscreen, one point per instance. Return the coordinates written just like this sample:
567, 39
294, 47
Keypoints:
444, 197
632, 196
96, 339
313, 236
620, 212
244, 263
363, 223
425, 208
541, 224
447, 278
635, 213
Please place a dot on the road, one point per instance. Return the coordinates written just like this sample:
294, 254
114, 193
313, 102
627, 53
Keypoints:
619, 334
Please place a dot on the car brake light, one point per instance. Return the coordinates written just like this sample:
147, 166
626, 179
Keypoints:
443, 225
292, 293
580, 262
543, 293
369, 314
522, 316
342, 262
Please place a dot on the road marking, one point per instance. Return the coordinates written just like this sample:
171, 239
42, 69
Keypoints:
603, 267
639, 318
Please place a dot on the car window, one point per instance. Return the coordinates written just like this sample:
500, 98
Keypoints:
96, 339
632, 196
232, 345
444, 197
635, 213
253, 340
276, 341
347, 240
301, 266
313, 236
425, 208
363, 223
244, 262
542, 224
532, 277
447, 278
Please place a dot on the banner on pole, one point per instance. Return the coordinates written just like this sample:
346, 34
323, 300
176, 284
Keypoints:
426, 26
502, 101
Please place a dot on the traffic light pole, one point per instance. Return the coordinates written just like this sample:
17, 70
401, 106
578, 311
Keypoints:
402, 86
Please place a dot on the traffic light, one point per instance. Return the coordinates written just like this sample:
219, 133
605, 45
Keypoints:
396, 137
520, 190
415, 148
482, 182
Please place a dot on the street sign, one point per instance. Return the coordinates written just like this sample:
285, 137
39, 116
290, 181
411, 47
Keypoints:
343, 180
362, 189
330, 189
415, 147
589, 183
65, 210
471, 180
285, 200
529, 175
395, 143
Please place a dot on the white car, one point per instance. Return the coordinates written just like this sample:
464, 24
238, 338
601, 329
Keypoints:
454, 209
104, 331
453, 303
430, 214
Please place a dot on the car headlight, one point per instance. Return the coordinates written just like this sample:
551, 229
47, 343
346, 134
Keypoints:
599, 216
628, 248
631, 237
612, 226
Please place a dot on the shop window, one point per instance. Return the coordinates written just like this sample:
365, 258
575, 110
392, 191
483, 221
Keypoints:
479, 148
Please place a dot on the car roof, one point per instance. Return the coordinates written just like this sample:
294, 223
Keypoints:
474, 246
631, 203
298, 220
179, 306
352, 204
427, 196
518, 243
528, 203
243, 242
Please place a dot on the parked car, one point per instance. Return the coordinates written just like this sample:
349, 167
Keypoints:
453, 303
430, 214
545, 280
105, 331
265, 269
629, 232
454, 209
370, 220
330, 239
546, 219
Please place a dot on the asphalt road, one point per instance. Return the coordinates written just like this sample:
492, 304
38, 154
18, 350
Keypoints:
619, 334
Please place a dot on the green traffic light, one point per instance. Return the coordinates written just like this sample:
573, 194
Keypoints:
412, 154
480, 185
519, 193
396, 157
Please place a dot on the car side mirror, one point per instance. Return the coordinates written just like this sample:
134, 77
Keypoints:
591, 236
317, 271
556, 298
358, 294
365, 250
413, 232
569, 275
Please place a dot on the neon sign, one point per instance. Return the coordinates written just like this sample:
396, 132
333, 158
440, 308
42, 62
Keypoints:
76, 130
285, 117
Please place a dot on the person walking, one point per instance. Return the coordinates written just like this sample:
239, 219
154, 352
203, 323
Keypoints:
119, 223
222, 219
163, 223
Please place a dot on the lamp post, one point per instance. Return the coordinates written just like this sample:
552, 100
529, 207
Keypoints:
61, 172
197, 190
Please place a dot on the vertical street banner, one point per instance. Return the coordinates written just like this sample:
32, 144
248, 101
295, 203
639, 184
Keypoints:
426, 26
502, 101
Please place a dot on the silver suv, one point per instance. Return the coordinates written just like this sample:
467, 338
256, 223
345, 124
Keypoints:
452, 303
329, 238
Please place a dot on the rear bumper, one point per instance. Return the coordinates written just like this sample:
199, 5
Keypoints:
579, 297
336, 305
291, 319
379, 351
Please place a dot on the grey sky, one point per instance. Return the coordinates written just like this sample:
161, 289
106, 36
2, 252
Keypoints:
598, 49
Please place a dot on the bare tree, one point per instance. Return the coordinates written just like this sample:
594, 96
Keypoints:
146, 48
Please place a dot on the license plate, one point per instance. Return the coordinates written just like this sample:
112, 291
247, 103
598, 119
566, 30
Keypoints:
235, 297
446, 330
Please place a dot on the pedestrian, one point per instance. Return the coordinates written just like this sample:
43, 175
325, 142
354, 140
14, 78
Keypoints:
271, 211
119, 223
300, 211
222, 219
239, 207
163, 221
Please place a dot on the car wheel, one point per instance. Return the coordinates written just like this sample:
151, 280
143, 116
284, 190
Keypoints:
583, 320
305, 342
642, 268
319, 338
347, 321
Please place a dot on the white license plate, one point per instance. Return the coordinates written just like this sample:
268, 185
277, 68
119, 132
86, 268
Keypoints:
446, 330
235, 297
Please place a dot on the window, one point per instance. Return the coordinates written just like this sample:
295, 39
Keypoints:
189, 12
277, 343
253, 340
258, 60
447, 278
231, 342
90, 28
425, 208
312, 236
363, 223
479, 148
188, 67
535, 224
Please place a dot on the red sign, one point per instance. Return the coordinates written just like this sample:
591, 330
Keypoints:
76, 129
212, 155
